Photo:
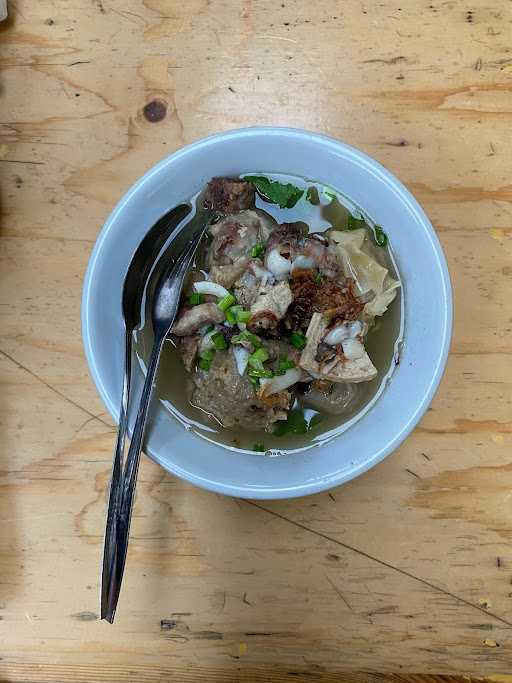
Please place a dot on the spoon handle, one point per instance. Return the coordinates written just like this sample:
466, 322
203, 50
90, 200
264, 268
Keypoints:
127, 489
110, 542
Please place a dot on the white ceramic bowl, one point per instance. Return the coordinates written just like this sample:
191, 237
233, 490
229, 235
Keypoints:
427, 294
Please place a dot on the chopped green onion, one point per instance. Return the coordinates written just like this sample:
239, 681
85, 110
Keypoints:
354, 222
260, 372
259, 448
257, 358
219, 341
195, 299
298, 340
247, 336
318, 278
238, 314
381, 239
330, 194
226, 302
204, 364
260, 354
207, 354
258, 250
285, 364
254, 381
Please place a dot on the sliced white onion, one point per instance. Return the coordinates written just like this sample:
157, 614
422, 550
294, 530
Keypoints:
268, 279
303, 262
262, 273
206, 343
274, 385
278, 265
258, 270
342, 332
319, 237
355, 329
212, 288
241, 358
336, 335
353, 349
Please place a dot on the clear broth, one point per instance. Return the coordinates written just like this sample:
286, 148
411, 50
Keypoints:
382, 344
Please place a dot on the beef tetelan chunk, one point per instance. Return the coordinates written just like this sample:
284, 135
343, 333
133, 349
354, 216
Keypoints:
233, 238
229, 195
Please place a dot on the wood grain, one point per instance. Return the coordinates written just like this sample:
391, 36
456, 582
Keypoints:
138, 674
409, 568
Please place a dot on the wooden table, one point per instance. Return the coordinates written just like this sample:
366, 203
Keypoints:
407, 569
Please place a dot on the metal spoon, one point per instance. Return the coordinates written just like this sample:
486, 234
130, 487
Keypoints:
133, 291
164, 308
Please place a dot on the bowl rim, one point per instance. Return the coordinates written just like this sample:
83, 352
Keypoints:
446, 330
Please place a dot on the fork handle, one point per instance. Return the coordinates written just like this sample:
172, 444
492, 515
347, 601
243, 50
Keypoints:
129, 481
110, 544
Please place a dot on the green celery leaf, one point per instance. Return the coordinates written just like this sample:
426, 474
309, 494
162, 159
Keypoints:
295, 423
285, 195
